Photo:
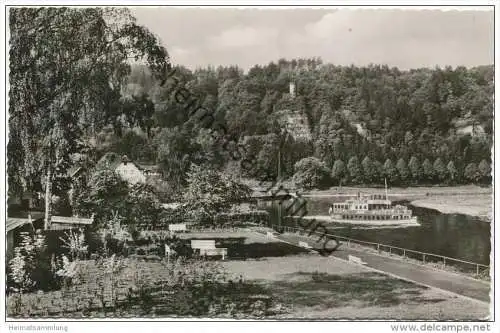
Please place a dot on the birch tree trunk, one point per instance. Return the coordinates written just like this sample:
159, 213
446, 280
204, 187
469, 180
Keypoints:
48, 199
30, 207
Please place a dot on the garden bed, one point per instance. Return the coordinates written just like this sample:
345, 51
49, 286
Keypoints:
142, 289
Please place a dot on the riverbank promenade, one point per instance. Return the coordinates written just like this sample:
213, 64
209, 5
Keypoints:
431, 277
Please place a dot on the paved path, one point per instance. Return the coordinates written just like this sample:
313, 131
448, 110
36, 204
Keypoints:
444, 280
452, 282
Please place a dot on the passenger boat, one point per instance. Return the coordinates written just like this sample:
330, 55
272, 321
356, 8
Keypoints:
375, 209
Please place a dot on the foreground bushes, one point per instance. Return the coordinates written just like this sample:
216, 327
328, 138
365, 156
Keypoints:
130, 287
114, 283
31, 268
38, 266
107, 197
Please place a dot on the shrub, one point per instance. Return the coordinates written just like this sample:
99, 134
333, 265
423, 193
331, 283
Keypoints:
130, 287
210, 192
311, 173
31, 267
75, 243
258, 217
69, 271
143, 206
114, 235
107, 196
172, 216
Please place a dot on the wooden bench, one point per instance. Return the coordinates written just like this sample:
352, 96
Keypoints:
214, 252
356, 260
207, 248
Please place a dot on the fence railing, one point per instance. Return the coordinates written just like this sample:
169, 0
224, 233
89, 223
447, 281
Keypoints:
213, 229
440, 261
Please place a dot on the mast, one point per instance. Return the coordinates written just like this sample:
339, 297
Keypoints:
385, 181
279, 182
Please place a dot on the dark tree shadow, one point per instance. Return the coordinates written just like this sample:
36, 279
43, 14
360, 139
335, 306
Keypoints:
363, 289
238, 250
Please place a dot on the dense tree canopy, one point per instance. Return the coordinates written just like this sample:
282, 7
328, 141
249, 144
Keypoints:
310, 173
107, 196
210, 192
338, 174
352, 113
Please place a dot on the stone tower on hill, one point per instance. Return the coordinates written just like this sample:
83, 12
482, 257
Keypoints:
292, 89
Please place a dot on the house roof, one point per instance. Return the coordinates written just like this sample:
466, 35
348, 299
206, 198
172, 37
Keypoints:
35, 214
15, 222
111, 159
114, 160
147, 167
72, 220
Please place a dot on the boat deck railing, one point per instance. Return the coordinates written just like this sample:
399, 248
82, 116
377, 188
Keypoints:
437, 260
373, 212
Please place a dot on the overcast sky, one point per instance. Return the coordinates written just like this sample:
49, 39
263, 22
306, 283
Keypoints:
407, 39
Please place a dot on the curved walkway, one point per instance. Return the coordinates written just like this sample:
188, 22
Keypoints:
452, 282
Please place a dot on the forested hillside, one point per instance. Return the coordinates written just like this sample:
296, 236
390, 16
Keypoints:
422, 126
366, 123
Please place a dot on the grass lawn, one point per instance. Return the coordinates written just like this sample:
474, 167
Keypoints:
300, 284
310, 286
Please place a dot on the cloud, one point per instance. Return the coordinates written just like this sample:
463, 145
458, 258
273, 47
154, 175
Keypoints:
180, 51
403, 38
238, 37
406, 39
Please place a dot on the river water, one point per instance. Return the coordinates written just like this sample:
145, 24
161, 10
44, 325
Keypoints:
453, 235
